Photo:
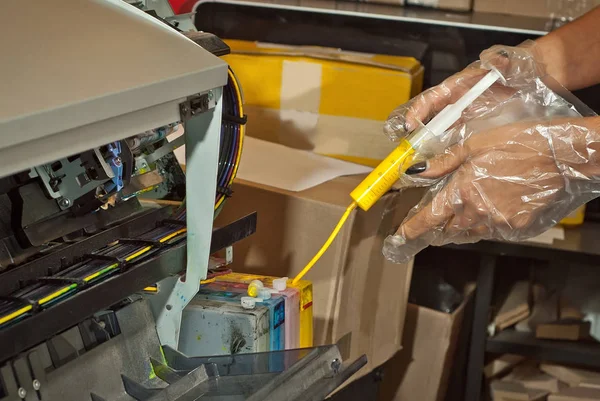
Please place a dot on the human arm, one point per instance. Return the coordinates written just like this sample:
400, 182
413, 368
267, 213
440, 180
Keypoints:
571, 54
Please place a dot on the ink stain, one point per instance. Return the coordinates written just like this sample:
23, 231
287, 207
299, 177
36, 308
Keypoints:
237, 340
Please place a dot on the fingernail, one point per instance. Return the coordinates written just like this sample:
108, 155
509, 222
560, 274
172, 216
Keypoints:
417, 168
406, 126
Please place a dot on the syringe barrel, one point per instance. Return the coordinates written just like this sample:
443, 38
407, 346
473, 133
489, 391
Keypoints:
383, 177
453, 112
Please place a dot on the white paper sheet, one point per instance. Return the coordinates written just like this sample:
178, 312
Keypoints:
290, 169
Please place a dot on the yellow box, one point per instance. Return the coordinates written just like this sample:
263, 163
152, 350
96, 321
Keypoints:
325, 100
306, 300
574, 219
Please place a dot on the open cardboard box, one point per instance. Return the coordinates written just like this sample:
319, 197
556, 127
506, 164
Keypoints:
307, 103
324, 100
359, 298
422, 370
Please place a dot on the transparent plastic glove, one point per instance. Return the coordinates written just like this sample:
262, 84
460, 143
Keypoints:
510, 182
521, 157
519, 66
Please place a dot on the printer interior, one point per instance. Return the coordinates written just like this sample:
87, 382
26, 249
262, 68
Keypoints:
96, 210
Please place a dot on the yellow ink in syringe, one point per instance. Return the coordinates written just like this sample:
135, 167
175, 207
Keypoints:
381, 180
385, 175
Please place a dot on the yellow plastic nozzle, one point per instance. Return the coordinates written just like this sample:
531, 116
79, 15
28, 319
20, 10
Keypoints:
254, 287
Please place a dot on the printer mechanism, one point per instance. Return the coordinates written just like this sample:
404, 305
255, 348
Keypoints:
55, 203
95, 209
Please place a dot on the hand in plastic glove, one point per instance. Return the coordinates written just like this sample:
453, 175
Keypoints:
518, 65
511, 183
509, 177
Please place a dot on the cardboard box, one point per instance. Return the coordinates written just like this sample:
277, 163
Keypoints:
422, 369
323, 100
531, 377
571, 376
501, 365
457, 5
515, 307
593, 382
564, 330
513, 391
530, 8
359, 298
576, 394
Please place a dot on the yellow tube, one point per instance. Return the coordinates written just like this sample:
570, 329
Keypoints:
369, 191
325, 246
15, 314
383, 177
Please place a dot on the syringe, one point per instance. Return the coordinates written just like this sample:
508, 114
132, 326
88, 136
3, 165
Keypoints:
383, 177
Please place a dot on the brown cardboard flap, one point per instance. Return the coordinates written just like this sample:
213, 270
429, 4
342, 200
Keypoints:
505, 390
564, 330
571, 376
501, 365
576, 394
531, 377
422, 369
515, 307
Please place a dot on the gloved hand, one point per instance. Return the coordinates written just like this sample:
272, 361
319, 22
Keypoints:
521, 159
510, 183
519, 66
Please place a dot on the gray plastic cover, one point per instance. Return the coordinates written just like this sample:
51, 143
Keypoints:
77, 74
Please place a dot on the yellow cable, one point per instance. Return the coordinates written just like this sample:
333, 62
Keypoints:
15, 314
173, 235
240, 105
57, 294
325, 246
65, 289
242, 126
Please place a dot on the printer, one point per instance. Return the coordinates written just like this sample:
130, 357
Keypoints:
96, 211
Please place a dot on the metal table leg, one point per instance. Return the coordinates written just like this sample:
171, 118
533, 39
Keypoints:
483, 299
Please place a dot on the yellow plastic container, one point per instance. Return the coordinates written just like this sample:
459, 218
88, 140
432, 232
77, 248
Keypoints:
574, 219
329, 101
306, 300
